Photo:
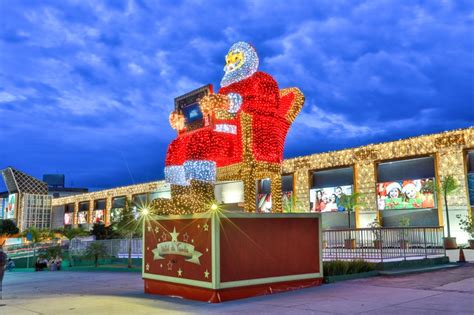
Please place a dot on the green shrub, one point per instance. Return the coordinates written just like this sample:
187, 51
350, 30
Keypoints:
341, 267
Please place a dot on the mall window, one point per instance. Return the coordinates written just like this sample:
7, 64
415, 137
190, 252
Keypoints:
163, 192
264, 198
327, 188
99, 210
118, 203
83, 213
287, 189
405, 192
470, 178
68, 213
139, 200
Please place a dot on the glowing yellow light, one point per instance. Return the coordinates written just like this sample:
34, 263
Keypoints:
145, 211
214, 207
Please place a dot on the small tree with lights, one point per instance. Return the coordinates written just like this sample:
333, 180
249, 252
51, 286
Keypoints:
129, 224
447, 187
350, 202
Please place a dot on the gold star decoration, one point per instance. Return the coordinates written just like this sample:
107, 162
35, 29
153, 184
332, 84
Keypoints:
180, 272
206, 274
185, 237
170, 265
174, 235
157, 229
147, 267
206, 227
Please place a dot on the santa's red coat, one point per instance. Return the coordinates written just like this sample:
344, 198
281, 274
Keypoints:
261, 99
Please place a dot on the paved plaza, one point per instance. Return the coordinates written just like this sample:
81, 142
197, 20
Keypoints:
440, 292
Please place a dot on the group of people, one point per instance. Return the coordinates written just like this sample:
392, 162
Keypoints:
328, 200
54, 264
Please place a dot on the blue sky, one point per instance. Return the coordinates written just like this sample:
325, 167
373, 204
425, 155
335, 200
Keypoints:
86, 87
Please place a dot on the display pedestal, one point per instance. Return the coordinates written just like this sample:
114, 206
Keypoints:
216, 257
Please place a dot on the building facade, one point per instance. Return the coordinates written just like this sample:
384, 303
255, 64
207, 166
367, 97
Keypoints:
396, 180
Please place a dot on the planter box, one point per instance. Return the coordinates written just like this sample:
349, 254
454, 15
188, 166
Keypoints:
332, 279
350, 243
220, 257
377, 244
449, 243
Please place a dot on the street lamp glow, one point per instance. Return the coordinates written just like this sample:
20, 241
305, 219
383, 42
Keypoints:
145, 211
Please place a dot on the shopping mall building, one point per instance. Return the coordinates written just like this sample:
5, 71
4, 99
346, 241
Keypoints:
396, 180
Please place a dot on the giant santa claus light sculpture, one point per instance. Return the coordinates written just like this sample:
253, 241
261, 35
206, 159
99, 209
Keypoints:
194, 159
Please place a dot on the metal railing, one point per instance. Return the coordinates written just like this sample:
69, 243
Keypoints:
383, 244
31, 249
115, 247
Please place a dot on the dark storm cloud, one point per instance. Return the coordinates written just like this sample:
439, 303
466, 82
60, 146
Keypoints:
86, 87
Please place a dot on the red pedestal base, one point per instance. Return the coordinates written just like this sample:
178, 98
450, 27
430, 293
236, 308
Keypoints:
222, 295
216, 257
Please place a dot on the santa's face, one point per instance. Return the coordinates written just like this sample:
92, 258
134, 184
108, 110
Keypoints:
233, 61
241, 62
393, 193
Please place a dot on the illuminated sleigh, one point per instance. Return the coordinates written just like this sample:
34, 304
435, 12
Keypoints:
269, 137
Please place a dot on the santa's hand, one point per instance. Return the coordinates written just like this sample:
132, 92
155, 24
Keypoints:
176, 121
212, 102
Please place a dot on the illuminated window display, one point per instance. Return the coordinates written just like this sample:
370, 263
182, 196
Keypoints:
328, 199
99, 210
405, 191
118, 203
264, 199
10, 207
82, 214
287, 187
328, 186
407, 194
68, 214
470, 178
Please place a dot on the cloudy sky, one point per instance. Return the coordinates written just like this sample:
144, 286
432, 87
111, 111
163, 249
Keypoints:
86, 87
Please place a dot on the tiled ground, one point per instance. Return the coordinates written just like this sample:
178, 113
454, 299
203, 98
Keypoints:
440, 292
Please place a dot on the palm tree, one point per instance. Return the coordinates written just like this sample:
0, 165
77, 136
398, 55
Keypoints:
70, 234
350, 202
96, 250
448, 185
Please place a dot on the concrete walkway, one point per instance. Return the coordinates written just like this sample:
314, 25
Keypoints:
439, 292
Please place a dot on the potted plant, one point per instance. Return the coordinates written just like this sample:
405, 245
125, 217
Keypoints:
467, 225
404, 223
375, 226
448, 186
349, 203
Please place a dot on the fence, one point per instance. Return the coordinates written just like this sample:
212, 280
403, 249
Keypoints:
383, 244
115, 248
30, 249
